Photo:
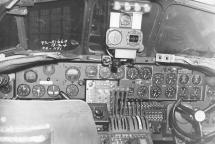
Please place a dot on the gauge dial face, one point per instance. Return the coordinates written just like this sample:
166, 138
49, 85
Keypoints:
195, 93
49, 70
171, 78
38, 90
73, 74
145, 73
53, 90
142, 91
6, 89
183, 93
170, 92
23, 90
184, 78
30, 76
156, 92
125, 20
105, 72
132, 73
72, 90
196, 79
91, 71
120, 73
211, 93
114, 37
158, 79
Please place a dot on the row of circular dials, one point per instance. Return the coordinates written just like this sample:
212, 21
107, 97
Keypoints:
144, 73
105, 73
158, 79
143, 91
194, 93
184, 79
156, 91
24, 90
171, 79
31, 76
72, 74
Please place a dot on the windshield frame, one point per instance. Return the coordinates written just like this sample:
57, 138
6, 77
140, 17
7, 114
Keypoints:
164, 6
22, 35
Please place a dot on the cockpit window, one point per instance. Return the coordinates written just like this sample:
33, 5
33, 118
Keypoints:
187, 31
55, 26
8, 32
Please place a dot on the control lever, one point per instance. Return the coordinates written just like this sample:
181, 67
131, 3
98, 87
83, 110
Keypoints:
64, 95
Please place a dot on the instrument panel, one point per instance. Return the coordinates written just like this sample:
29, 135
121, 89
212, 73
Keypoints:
147, 82
139, 92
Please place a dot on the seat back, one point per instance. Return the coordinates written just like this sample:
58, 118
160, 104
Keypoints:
46, 122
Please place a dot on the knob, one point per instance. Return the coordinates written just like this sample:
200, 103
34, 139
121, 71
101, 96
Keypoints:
98, 113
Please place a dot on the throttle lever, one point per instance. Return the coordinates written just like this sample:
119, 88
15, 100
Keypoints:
64, 95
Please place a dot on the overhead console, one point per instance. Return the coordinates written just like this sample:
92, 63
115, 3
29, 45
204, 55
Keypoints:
124, 35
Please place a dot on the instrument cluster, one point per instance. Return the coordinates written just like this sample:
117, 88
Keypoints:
148, 82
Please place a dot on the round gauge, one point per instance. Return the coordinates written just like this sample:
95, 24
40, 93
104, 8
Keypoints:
125, 20
155, 92
145, 73
91, 71
49, 70
53, 90
132, 73
171, 79
158, 79
72, 90
170, 92
183, 93
105, 72
184, 78
4, 80
23, 90
211, 92
38, 90
6, 89
30, 76
73, 74
114, 37
120, 73
142, 91
196, 79
195, 93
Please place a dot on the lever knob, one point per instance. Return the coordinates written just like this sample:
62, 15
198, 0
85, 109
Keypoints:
98, 113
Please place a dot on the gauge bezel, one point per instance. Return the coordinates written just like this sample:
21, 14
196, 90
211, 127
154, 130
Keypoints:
30, 81
40, 86
28, 88
72, 86
78, 76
